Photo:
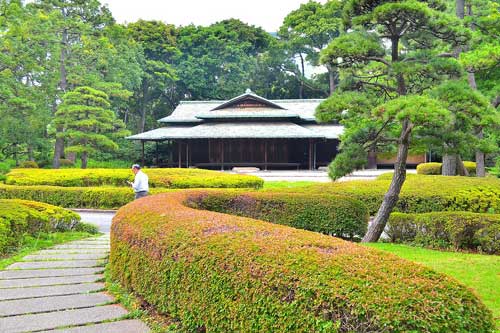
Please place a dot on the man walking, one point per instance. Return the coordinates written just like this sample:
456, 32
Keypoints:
140, 184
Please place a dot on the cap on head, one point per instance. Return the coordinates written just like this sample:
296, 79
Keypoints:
136, 166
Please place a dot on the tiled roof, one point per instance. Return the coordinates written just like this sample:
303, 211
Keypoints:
251, 130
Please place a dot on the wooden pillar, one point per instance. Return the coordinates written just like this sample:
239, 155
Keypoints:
187, 154
265, 155
222, 154
315, 156
179, 149
142, 153
157, 155
310, 154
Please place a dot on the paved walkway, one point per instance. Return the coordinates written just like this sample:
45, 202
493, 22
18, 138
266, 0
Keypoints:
61, 290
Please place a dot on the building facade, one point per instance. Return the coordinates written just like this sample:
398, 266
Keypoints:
247, 130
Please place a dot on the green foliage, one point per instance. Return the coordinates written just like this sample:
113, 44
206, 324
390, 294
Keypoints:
455, 230
420, 193
338, 216
20, 217
28, 165
219, 272
431, 168
162, 178
350, 158
86, 122
87, 228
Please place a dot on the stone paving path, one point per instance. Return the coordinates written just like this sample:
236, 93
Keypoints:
61, 290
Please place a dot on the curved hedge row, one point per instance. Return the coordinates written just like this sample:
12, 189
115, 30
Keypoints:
163, 178
420, 193
458, 230
222, 273
20, 217
434, 168
74, 197
333, 215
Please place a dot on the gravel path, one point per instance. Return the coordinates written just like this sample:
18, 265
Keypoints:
61, 290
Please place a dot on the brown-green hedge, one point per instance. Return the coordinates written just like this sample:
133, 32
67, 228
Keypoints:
21, 217
161, 178
222, 273
333, 215
420, 193
456, 230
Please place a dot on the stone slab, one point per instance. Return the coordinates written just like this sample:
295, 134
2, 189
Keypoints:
52, 303
38, 273
79, 246
72, 251
123, 326
50, 320
20, 293
64, 256
49, 281
56, 264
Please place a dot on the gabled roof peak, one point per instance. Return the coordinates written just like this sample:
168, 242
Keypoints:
248, 99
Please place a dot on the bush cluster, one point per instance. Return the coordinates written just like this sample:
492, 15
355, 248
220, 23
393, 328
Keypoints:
222, 273
162, 178
420, 193
73, 197
434, 168
28, 165
21, 217
448, 230
333, 215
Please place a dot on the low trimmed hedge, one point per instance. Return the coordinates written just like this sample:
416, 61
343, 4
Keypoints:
161, 178
333, 215
431, 168
457, 230
74, 197
434, 168
222, 273
21, 217
420, 193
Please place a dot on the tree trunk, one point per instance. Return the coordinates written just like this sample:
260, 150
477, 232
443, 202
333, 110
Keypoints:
392, 195
301, 88
372, 159
331, 76
449, 165
31, 156
480, 159
461, 170
63, 85
84, 160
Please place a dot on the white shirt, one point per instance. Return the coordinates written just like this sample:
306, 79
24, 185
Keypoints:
140, 183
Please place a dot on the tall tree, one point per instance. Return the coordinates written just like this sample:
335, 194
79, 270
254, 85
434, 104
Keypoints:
400, 39
87, 122
308, 30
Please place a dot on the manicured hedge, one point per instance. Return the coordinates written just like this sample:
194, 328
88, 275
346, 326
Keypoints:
333, 215
434, 168
457, 230
73, 197
420, 194
21, 217
222, 273
431, 168
163, 178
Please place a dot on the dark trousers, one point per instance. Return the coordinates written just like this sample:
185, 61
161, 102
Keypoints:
141, 194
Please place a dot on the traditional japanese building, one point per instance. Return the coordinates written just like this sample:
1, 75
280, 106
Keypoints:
247, 130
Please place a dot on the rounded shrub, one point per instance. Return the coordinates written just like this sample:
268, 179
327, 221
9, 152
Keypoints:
470, 167
28, 165
455, 230
65, 163
339, 216
217, 272
431, 168
22, 217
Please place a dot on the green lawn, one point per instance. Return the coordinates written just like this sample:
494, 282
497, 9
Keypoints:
32, 244
477, 271
287, 184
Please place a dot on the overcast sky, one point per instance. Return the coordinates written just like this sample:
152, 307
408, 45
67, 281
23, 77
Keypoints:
268, 14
